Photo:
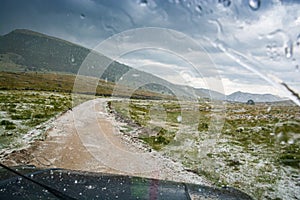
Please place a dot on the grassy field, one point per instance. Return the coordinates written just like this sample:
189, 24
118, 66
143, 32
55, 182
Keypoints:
258, 149
57, 82
22, 114
29, 99
21, 111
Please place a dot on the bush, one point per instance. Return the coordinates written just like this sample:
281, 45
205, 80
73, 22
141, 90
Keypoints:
6, 122
39, 116
10, 126
24, 115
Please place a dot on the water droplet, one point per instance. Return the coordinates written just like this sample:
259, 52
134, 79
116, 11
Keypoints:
187, 76
279, 135
65, 189
298, 40
272, 51
75, 181
288, 50
80, 193
51, 172
290, 141
72, 59
179, 118
254, 4
199, 9
226, 3
82, 16
44, 190
90, 187
143, 3
282, 142
19, 180
272, 134
31, 176
104, 188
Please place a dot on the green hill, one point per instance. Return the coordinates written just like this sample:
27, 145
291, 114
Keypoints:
26, 51
33, 51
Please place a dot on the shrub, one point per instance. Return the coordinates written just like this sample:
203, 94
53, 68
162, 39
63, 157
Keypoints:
10, 126
6, 122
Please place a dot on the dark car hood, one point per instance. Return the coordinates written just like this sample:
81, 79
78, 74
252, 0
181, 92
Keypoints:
88, 185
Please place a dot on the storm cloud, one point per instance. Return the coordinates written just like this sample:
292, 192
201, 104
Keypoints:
249, 45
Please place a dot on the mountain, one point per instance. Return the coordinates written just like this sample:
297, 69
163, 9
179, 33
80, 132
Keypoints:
244, 97
38, 52
26, 50
211, 94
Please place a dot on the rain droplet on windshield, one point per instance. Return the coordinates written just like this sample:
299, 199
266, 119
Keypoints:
290, 141
19, 180
199, 9
254, 4
72, 59
143, 2
82, 16
298, 40
179, 118
226, 3
90, 187
288, 50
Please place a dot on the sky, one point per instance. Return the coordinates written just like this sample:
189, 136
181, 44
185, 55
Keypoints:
251, 46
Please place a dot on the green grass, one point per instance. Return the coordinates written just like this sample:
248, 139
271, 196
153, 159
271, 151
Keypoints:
162, 138
8, 124
23, 110
27, 99
64, 83
257, 149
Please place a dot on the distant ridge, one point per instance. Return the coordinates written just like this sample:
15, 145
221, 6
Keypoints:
33, 51
28, 50
244, 97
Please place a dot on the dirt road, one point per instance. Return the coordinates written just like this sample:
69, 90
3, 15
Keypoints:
88, 138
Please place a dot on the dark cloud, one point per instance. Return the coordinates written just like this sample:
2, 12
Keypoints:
237, 26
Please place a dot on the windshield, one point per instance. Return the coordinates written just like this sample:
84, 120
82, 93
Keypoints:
198, 92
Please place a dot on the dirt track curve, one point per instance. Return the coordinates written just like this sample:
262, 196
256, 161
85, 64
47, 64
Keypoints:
88, 138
